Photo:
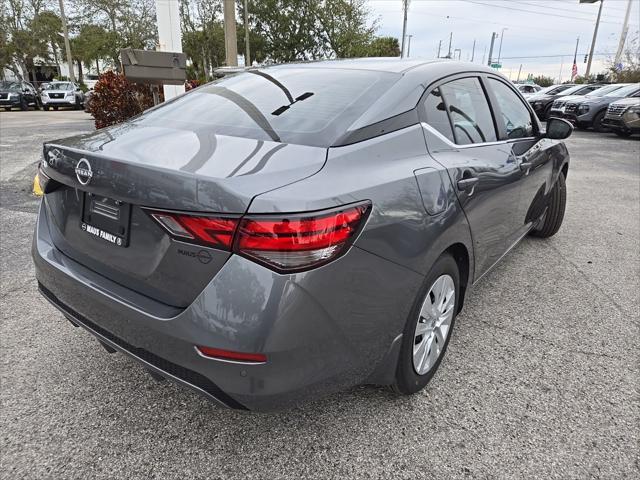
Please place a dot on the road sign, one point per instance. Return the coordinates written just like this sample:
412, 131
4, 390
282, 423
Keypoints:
496, 65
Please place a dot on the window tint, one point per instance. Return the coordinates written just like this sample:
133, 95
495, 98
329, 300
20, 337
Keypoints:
515, 116
469, 111
437, 115
309, 106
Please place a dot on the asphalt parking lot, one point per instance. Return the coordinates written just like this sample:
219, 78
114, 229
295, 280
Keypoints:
541, 379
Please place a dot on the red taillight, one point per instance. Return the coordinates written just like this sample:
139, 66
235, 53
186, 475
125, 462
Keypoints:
285, 242
229, 355
214, 232
295, 242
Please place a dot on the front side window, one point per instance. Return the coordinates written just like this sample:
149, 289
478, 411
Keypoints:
469, 111
515, 116
436, 114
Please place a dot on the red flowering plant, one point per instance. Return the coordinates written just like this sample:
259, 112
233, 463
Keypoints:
116, 99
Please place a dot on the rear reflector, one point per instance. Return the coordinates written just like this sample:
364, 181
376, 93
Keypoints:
229, 355
284, 242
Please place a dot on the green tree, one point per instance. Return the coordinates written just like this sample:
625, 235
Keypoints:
343, 27
543, 81
289, 29
91, 45
383, 47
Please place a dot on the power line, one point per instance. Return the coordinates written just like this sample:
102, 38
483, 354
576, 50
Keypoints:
575, 12
533, 12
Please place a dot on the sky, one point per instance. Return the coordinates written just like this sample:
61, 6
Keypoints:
533, 28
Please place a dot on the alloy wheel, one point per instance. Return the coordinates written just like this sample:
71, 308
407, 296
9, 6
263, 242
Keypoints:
434, 324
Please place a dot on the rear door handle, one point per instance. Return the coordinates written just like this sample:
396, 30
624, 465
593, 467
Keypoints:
467, 183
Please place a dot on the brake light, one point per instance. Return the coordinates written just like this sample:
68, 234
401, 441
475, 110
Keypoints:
214, 232
294, 242
285, 242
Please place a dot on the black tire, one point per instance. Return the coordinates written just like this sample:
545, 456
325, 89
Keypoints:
7, 109
597, 122
408, 381
55, 108
622, 134
24, 106
552, 220
45, 107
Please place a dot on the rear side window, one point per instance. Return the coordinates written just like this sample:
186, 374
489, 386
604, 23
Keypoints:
307, 106
469, 111
436, 114
515, 116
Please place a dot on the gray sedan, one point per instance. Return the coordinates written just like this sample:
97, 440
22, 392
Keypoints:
300, 229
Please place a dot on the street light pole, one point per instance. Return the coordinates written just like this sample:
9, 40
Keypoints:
595, 35
67, 45
473, 50
409, 46
405, 7
500, 49
493, 40
623, 35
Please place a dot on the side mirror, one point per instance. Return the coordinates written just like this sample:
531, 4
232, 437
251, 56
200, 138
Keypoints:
558, 129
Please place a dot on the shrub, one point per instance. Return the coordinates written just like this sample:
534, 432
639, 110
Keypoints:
115, 99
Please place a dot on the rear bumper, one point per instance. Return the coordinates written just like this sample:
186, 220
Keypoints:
322, 331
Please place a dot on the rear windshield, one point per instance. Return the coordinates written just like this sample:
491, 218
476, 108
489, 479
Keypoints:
309, 106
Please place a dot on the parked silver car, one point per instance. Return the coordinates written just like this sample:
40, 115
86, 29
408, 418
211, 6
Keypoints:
300, 229
62, 94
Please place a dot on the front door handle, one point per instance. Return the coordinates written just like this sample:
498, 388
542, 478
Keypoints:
467, 183
524, 166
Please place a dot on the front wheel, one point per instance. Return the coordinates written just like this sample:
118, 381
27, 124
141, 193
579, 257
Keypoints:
24, 106
429, 326
597, 122
45, 107
552, 220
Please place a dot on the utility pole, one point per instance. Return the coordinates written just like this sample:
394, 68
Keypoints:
405, 7
450, 39
247, 49
408, 46
484, 54
473, 50
67, 45
493, 40
230, 39
595, 35
439, 47
623, 35
500, 49
519, 72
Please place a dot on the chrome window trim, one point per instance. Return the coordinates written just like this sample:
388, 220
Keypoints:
455, 146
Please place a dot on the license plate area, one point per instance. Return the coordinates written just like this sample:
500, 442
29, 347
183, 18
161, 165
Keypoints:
106, 219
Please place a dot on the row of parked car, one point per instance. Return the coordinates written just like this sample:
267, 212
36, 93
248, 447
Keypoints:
602, 107
22, 95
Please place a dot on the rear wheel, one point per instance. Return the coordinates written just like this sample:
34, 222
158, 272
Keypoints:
552, 220
429, 326
55, 108
622, 134
597, 122
7, 109
45, 107
23, 104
